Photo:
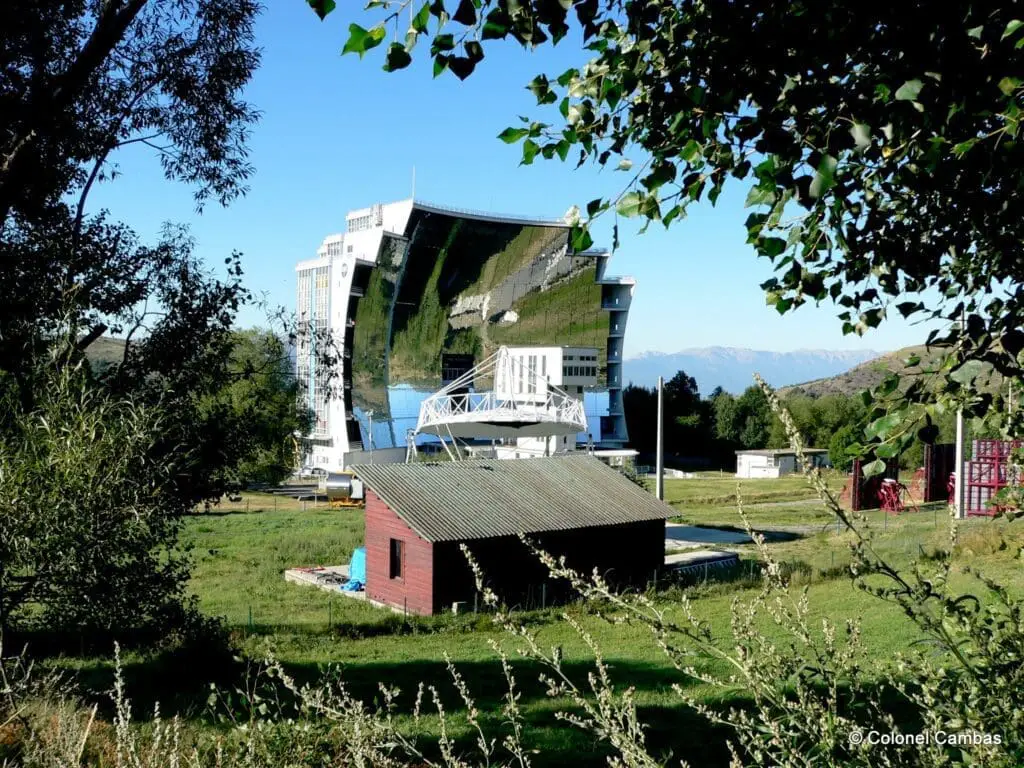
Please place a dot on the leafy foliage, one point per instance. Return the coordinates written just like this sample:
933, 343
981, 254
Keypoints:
260, 401
88, 518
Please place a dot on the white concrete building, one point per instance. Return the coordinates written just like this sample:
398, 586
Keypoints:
411, 290
775, 462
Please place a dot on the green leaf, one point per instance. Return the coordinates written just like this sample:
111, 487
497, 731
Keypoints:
881, 428
530, 150
465, 14
964, 147
443, 42
968, 372
907, 308
760, 196
861, 135
1008, 85
461, 66
581, 240
909, 90
692, 152
1011, 27
496, 27
824, 178
539, 87
419, 21
397, 58
873, 468
324, 7
887, 450
630, 204
361, 40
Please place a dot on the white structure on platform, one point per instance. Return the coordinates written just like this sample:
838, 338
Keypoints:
775, 462
380, 245
532, 409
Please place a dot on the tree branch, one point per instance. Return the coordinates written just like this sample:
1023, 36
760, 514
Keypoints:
110, 30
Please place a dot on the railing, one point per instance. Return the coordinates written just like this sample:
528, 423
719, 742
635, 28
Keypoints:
554, 408
549, 406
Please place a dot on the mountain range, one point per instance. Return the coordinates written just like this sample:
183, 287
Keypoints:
733, 368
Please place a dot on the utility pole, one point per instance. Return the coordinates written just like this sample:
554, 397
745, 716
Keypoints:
660, 445
958, 485
958, 481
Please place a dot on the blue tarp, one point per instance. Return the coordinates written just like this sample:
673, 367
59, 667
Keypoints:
356, 571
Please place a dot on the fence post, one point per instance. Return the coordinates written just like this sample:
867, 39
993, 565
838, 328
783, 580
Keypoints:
247, 506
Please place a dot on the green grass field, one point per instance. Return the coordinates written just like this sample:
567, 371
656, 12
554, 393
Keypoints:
242, 549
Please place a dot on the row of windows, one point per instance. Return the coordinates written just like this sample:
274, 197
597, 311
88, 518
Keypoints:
528, 372
583, 358
579, 370
360, 223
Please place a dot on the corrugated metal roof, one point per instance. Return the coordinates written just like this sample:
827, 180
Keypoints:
486, 498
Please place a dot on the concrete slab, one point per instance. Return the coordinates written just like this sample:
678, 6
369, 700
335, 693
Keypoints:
700, 561
679, 536
329, 578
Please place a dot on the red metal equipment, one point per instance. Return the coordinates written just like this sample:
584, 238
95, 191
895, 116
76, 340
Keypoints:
891, 496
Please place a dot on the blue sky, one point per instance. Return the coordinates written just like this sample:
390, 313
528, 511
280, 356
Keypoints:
338, 133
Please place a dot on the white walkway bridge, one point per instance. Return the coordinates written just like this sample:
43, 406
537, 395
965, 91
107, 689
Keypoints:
522, 404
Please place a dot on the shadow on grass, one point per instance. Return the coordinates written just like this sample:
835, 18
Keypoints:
180, 678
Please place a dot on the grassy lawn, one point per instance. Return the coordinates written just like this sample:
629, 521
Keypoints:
242, 549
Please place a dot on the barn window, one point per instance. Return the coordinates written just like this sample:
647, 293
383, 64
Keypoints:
396, 556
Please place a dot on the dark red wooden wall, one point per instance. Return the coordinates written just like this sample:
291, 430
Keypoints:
626, 555
414, 591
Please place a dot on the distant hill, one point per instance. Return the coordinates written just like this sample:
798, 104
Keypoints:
733, 369
105, 351
869, 374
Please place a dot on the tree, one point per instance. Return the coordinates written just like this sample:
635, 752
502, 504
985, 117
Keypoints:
879, 148
78, 81
755, 417
726, 415
839, 445
260, 399
641, 407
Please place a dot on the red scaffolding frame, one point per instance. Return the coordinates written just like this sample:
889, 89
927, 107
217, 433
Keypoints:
986, 474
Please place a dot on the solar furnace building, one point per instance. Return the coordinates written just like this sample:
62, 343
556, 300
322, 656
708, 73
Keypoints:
415, 294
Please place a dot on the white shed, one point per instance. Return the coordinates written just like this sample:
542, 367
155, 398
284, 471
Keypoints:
775, 462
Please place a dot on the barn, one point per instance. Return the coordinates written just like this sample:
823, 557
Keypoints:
418, 515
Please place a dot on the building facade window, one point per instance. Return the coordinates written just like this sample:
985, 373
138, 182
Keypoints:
396, 558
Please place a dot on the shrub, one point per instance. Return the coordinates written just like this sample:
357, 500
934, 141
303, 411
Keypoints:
88, 520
